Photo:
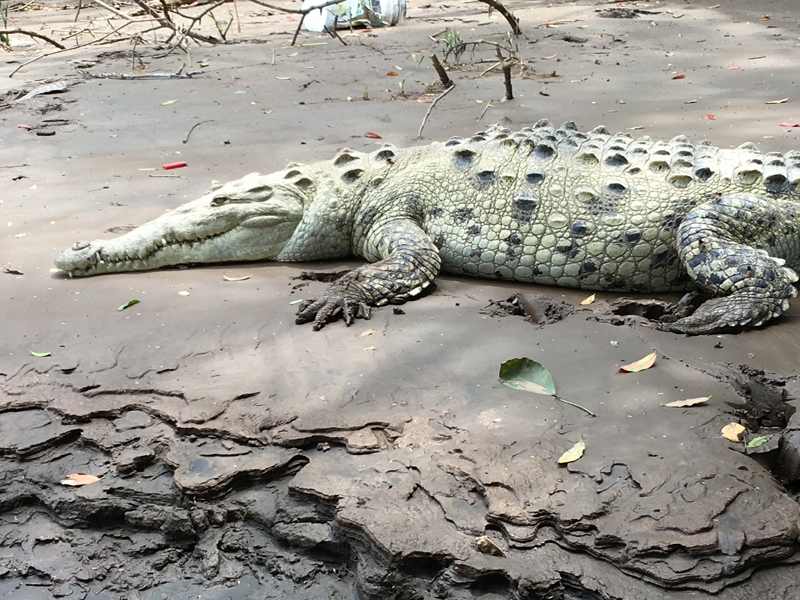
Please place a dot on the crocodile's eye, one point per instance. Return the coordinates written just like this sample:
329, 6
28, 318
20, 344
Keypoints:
220, 200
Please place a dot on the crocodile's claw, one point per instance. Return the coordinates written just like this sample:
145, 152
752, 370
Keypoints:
344, 297
747, 308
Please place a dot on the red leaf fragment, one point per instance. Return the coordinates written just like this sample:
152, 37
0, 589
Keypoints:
789, 124
391, 73
710, 117
25, 126
679, 76
373, 135
733, 67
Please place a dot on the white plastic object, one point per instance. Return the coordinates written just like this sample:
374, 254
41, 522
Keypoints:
372, 13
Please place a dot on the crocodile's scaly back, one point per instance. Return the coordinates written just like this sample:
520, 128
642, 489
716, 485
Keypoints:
544, 205
561, 207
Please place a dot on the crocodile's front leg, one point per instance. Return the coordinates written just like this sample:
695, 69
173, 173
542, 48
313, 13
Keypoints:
408, 262
736, 247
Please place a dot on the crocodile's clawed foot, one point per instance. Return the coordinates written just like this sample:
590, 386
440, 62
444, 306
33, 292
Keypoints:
743, 310
344, 297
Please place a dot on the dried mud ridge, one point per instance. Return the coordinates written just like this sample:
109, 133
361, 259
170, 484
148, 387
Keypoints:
224, 490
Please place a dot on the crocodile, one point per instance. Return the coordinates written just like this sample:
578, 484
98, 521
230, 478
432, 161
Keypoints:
545, 205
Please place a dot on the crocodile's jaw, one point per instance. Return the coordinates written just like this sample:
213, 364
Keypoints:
248, 219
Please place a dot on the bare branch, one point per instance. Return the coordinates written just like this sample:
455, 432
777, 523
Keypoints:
33, 34
507, 14
430, 108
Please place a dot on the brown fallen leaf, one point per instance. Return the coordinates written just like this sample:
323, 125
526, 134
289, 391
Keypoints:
370, 348
690, 101
573, 453
764, 18
588, 300
371, 134
709, 117
689, 402
620, 101
679, 76
229, 278
732, 432
487, 546
640, 365
781, 101
77, 479
13, 272
367, 332
543, 94
391, 73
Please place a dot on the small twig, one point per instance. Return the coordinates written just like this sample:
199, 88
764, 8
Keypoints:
440, 70
485, 108
430, 108
507, 80
494, 66
301, 11
33, 34
186, 139
179, 74
119, 13
583, 408
14, 166
25, 64
507, 14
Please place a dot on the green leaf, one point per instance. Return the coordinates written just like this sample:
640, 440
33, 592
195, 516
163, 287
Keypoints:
168, 102
758, 441
298, 301
39, 354
203, 64
528, 375
128, 304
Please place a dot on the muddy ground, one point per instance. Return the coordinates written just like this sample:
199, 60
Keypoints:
243, 456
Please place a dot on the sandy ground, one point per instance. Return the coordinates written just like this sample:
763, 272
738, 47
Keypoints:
243, 456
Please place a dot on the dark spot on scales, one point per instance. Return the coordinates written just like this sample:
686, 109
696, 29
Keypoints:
473, 230
630, 237
352, 175
368, 216
564, 247
462, 214
463, 159
525, 202
542, 152
436, 211
412, 200
579, 229
439, 240
484, 178
386, 155
588, 267
534, 177
617, 188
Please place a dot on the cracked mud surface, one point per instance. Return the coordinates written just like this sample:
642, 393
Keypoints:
242, 456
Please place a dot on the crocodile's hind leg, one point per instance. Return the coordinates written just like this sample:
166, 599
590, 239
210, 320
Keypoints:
407, 262
740, 248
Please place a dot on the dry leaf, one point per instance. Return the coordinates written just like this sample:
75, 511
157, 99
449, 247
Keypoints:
373, 135
732, 431
765, 18
639, 365
588, 300
487, 546
710, 117
788, 124
636, 128
425, 99
573, 453
391, 73
183, 293
543, 94
284, 78
370, 348
781, 101
229, 278
76, 479
690, 101
367, 332
689, 402
620, 101
679, 76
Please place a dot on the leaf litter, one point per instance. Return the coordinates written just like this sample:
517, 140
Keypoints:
79, 479
573, 454
732, 432
639, 365
530, 376
685, 403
